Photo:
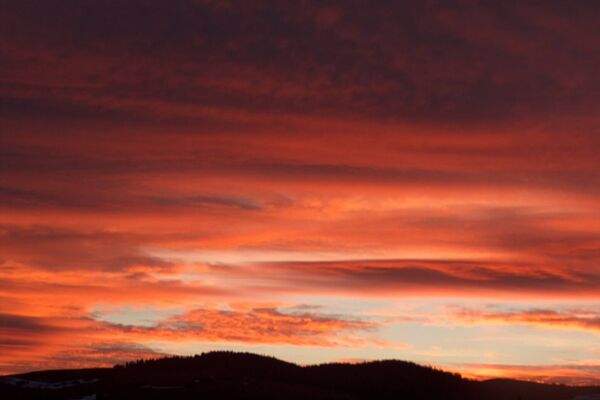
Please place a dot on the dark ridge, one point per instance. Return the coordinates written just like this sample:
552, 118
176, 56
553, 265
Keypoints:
230, 375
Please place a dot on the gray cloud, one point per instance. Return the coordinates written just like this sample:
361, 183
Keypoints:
413, 61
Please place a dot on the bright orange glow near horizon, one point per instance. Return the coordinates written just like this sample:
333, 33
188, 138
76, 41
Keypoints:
311, 181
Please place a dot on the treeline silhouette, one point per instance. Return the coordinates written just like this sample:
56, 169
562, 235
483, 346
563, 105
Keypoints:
229, 375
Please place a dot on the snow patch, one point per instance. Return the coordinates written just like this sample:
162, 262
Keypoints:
31, 384
89, 397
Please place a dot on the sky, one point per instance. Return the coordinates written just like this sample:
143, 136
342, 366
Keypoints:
317, 181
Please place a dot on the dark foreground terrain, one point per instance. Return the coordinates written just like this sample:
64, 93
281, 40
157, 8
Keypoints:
224, 375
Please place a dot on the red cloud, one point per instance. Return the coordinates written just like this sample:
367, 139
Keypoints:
372, 150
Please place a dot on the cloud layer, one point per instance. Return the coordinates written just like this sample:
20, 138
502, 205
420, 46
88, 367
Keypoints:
373, 160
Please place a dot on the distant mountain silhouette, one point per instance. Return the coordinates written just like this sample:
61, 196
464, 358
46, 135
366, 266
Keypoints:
228, 375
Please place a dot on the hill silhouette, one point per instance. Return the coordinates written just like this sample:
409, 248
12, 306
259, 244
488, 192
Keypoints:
228, 375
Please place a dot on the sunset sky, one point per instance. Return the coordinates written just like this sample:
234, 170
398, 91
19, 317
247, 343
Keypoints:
317, 181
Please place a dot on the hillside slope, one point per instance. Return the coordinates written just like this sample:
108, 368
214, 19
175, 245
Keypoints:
226, 375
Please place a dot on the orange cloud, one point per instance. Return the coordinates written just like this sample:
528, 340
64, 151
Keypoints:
260, 325
29, 341
581, 319
582, 374
91, 354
